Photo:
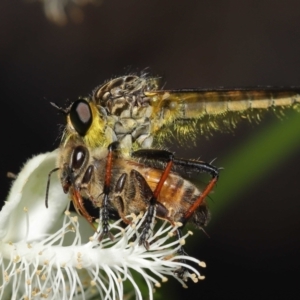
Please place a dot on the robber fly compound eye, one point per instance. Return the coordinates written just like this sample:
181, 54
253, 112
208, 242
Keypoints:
81, 116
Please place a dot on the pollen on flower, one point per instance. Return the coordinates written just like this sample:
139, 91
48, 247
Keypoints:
71, 228
202, 264
74, 219
6, 277
67, 213
194, 278
169, 257
25, 209
34, 292
135, 218
182, 242
93, 283
16, 259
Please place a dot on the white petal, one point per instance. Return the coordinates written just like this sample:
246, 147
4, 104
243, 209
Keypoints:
28, 194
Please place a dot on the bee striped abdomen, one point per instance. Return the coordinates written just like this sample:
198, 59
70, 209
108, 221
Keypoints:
176, 195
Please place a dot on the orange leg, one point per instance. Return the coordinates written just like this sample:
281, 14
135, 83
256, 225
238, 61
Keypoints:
106, 191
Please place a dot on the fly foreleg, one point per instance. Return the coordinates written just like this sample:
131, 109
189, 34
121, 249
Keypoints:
106, 192
160, 155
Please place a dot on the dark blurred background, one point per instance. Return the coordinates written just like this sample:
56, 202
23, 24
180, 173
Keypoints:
253, 249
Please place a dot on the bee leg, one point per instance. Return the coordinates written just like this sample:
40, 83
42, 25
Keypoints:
138, 192
79, 207
105, 218
106, 191
118, 201
77, 198
159, 210
162, 212
181, 271
150, 214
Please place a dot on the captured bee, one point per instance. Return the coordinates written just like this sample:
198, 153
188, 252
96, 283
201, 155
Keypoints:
73, 173
116, 184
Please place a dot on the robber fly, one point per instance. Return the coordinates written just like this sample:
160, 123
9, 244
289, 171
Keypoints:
132, 110
117, 127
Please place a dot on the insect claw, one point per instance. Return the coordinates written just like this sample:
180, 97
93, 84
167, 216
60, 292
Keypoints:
144, 242
146, 245
105, 233
111, 236
180, 272
145, 234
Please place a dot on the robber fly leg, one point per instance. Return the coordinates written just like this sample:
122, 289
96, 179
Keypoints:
199, 167
106, 191
105, 220
160, 155
180, 271
206, 168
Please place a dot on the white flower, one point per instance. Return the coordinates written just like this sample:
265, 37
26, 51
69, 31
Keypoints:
48, 253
